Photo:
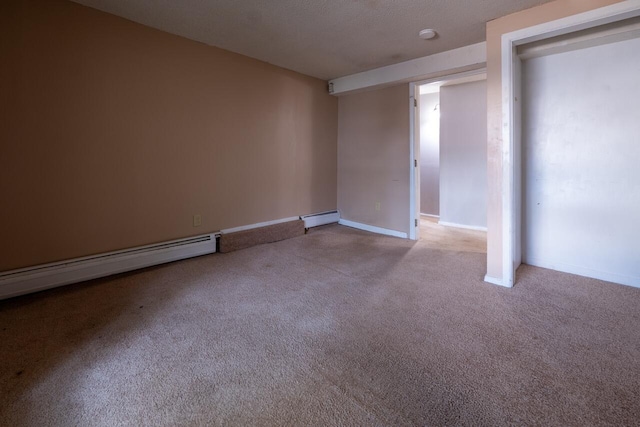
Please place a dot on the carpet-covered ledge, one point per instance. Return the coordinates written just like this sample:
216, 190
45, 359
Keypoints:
256, 236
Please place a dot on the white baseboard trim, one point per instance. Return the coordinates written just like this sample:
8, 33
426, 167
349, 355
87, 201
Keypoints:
258, 225
466, 227
495, 281
586, 272
45, 276
373, 229
429, 215
324, 218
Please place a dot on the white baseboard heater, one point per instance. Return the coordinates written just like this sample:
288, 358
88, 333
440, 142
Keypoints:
45, 276
315, 220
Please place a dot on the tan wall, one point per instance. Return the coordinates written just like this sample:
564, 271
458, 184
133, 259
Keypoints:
373, 158
495, 29
114, 135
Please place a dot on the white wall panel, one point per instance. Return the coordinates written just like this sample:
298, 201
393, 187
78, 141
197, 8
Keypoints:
463, 154
430, 154
581, 162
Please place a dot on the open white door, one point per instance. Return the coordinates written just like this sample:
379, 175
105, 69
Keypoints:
414, 168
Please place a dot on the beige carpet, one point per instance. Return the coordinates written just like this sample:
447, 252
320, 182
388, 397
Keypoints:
337, 327
436, 236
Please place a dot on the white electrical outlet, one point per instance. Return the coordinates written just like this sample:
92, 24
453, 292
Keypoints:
197, 220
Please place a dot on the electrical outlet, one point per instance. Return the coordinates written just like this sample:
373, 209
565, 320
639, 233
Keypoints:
197, 220
377, 206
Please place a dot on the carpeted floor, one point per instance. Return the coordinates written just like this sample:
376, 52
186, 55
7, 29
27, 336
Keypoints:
337, 327
436, 236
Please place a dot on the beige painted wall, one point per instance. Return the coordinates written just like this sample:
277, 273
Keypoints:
495, 29
373, 157
113, 134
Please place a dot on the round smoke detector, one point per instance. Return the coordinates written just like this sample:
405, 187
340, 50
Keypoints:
427, 34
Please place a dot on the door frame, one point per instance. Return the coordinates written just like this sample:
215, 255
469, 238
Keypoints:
414, 145
511, 118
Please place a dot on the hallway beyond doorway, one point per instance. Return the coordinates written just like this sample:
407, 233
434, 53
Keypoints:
451, 238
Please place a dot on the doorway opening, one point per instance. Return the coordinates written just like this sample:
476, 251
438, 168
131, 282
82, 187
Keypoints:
449, 158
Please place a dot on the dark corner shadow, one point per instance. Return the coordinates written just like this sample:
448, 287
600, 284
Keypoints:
352, 251
43, 331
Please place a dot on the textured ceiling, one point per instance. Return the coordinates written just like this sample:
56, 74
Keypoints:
321, 38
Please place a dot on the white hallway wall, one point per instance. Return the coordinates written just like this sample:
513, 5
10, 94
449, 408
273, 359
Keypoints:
463, 154
430, 153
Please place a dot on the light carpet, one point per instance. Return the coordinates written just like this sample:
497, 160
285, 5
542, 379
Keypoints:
336, 327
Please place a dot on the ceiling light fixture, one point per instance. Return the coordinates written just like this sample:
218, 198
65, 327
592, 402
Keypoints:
427, 34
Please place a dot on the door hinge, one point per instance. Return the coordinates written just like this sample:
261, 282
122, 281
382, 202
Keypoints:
416, 220
415, 163
415, 102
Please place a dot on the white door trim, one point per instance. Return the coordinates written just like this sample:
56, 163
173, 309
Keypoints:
511, 120
414, 166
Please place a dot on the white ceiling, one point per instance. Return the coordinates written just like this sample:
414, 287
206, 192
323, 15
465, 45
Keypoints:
321, 38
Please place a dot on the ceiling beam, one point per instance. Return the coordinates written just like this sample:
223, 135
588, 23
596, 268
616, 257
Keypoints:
452, 61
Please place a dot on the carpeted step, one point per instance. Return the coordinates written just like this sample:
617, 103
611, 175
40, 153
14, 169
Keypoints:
257, 236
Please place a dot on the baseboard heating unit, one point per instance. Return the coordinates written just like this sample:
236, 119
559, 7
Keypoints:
45, 276
315, 220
